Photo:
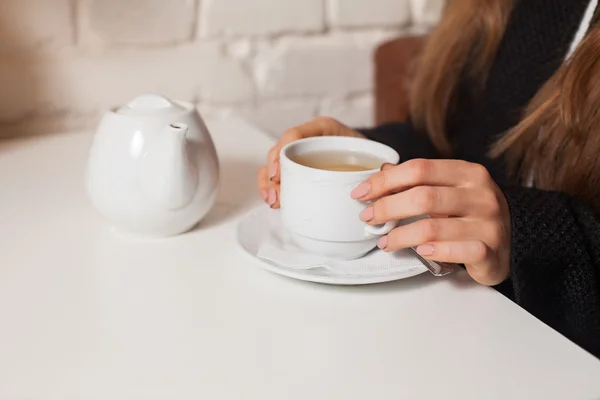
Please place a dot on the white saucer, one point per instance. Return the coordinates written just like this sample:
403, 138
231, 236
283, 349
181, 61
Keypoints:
260, 223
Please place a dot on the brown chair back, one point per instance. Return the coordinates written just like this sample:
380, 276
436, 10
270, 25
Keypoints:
393, 63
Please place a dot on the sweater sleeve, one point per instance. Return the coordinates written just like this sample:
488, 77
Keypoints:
555, 262
404, 139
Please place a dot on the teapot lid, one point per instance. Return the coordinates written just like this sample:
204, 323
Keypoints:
148, 105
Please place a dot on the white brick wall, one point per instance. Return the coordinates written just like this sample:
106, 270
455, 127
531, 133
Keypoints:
261, 17
276, 62
315, 66
36, 25
365, 13
136, 22
426, 12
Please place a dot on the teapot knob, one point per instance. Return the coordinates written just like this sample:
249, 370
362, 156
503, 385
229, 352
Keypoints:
149, 101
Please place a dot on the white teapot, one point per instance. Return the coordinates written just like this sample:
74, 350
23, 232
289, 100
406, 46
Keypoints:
153, 169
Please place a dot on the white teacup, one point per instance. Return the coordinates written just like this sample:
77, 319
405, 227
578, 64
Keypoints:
316, 206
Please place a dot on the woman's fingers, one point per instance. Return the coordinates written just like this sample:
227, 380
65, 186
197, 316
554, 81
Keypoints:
262, 182
429, 230
273, 155
462, 252
267, 190
432, 200
476, 227
387, 165
421, 172
479, 259
273, 197
457, 240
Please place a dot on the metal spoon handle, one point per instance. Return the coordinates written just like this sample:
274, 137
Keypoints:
436, 268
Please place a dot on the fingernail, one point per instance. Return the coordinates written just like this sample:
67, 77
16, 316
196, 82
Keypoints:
264, 194
382, 242
361, 190
367, 214
271, 197
273, 171
425, 250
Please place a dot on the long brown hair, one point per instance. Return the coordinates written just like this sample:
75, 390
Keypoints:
558, 139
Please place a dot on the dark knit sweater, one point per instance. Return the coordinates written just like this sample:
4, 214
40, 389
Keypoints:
555, 247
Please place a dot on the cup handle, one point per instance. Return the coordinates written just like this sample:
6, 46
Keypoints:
380, 230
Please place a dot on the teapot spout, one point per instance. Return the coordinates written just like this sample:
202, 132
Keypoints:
168, 176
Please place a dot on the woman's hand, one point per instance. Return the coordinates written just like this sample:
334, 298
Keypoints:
470, 221
268, 175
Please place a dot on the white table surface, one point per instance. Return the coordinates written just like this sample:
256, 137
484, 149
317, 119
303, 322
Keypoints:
86, 314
